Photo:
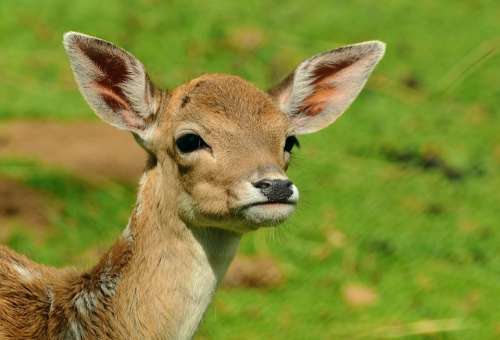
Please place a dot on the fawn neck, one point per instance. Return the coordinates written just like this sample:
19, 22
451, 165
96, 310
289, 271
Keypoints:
174, 268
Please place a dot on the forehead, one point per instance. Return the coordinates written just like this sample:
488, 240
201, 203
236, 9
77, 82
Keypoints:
227, 102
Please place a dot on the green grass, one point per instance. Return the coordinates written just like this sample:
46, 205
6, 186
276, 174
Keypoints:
410, 175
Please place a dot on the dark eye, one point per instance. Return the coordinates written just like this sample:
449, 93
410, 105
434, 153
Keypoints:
190, 142
290, 142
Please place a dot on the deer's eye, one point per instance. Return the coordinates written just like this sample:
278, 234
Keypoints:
190, 142
290, 142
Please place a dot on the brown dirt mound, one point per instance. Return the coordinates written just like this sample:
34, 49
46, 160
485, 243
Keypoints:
92, 150
20, 205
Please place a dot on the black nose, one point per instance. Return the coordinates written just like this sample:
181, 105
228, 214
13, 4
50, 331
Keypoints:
276, 190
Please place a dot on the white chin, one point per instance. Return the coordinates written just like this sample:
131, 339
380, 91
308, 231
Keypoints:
268, 214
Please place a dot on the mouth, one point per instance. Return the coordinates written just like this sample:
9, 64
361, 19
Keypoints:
267, 213
269, 203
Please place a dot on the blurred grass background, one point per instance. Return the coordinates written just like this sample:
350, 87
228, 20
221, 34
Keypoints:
397, 232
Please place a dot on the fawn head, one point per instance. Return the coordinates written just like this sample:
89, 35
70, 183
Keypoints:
222, 144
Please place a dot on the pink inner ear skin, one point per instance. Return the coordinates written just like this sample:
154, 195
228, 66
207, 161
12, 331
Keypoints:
316, 103
112, 99
324, 91
120, 105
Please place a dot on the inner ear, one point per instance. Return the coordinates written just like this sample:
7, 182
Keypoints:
114, 73
114, 83
323, 82
322, 87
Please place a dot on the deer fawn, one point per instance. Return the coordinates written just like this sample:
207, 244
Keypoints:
218, 151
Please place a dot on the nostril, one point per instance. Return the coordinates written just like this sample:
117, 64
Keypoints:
263, 184
275, 190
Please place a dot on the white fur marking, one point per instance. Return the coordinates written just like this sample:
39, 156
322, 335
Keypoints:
204, 279
85, 303
24, 272
75, 331
127, 232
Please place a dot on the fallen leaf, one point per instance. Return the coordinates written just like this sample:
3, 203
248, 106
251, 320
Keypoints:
358, 295
253, 272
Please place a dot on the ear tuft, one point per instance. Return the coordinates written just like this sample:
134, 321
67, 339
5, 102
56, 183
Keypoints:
323, 87
113, 81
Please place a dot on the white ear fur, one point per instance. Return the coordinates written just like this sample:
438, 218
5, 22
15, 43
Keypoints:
322, 87
113, 82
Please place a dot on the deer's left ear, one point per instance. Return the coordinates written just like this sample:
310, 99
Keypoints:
323, 87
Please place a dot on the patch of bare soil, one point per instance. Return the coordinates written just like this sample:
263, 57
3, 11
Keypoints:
20, 205
92, 150
253, 272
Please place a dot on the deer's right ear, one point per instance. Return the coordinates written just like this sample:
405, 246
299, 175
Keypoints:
114, 83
